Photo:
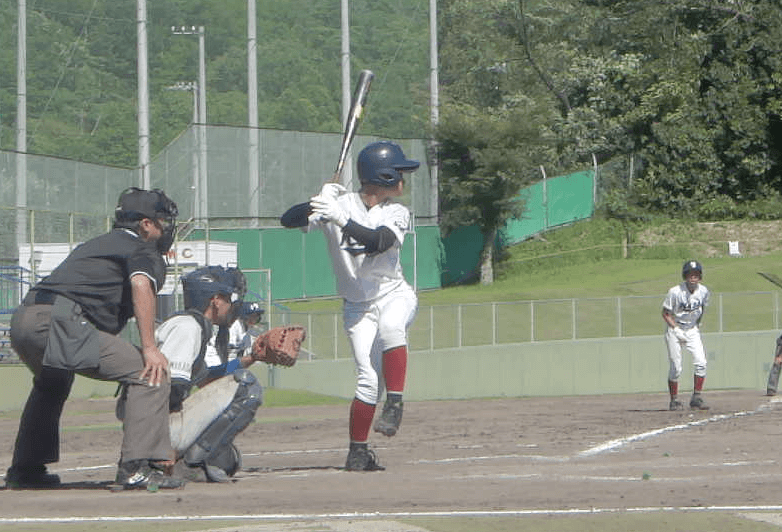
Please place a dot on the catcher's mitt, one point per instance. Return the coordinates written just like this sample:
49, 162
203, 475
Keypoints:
279, 345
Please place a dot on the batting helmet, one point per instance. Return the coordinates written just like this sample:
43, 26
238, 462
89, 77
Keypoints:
135, 204
691, 266
199, 286
382, 163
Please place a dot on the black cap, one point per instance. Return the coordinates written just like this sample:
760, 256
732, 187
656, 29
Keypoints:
135, 204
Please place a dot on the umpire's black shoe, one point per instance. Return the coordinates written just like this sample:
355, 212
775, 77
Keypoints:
30, 477
389, 421
360, 458
141, 475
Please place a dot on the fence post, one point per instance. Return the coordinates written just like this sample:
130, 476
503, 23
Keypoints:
494, 324
531, 321
720, 313
336, 348
458, 326
574, 317
619, 316
431, 328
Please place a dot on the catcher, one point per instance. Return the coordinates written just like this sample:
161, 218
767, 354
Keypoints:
204, 423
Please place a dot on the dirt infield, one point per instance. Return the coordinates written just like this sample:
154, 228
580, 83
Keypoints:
504, 455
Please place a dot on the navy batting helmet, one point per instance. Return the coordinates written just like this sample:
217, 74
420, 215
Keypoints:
200, 285
692, 266
382, 163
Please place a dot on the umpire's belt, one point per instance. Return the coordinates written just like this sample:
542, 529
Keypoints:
39, 297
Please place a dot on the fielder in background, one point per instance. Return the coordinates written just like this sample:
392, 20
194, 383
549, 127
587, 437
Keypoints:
683, 309
365, 231
203, 425
243, 330
68, 323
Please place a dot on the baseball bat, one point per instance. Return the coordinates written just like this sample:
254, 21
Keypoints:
360, 94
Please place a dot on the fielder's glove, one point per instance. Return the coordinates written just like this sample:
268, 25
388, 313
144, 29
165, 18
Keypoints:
328, 209
279, 345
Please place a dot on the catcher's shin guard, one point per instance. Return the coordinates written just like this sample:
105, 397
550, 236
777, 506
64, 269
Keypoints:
211, 444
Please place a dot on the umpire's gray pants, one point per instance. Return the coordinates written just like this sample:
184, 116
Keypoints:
145, 427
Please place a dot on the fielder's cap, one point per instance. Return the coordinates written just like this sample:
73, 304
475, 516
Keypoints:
250, 308
136, 204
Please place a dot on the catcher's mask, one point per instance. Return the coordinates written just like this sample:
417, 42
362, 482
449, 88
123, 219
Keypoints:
199, 286
135, 204
382, 163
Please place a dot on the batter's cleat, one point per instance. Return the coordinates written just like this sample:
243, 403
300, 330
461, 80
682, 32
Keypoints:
675, 405
360, 458
30, 477
141, 475
697, 403
389, 420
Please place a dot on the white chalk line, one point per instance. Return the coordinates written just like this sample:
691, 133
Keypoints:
392, 515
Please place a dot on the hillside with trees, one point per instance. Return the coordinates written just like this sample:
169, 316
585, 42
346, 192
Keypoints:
678, 102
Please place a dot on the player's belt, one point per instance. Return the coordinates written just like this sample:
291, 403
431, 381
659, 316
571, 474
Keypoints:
39, 297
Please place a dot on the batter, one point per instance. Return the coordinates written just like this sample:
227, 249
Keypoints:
365, 231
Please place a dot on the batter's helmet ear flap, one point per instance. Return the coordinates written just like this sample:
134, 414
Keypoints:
690, 266
382, 163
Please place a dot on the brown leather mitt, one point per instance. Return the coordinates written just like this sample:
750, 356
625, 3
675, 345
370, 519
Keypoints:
279, 345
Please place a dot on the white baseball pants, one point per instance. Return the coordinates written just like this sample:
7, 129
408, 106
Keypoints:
691, 341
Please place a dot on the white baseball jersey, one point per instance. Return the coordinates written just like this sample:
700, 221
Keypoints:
686, 308
179, 339
362, 277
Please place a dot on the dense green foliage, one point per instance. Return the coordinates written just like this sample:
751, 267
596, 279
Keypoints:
82, 75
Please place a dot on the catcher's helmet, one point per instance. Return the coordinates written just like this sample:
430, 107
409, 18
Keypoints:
200, 285
382, 163
691, 266
135, 204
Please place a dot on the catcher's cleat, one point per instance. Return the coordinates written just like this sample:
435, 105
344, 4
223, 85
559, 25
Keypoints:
360, 458
697, 403
389, 420
140, 474
30, 477
675, 405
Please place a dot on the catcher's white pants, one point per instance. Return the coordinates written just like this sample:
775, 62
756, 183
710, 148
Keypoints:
692, 342
199, 410
373, 328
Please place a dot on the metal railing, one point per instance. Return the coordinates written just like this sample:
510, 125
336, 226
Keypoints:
486, 324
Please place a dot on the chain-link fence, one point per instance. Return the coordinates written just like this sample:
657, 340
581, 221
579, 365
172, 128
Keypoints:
485, 324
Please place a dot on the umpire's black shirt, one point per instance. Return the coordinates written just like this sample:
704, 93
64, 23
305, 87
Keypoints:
96, 275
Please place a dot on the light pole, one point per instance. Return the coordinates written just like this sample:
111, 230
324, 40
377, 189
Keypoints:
202, 193
192, 86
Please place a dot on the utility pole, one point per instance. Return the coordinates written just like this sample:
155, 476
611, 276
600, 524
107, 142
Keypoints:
21, 126
143, 94
202, 192
252, 114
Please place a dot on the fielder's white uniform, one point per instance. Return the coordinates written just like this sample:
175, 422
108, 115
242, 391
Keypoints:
687, 310
379, 305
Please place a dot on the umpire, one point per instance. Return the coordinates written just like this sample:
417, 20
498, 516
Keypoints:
68, 323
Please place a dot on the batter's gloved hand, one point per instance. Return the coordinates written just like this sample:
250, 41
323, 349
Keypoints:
329, 209
332, 190
279, 345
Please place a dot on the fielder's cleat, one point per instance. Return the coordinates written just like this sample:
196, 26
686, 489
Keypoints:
675, 405
360, 458
389, 420
141, 475
697, 403
30, 477
771, 392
